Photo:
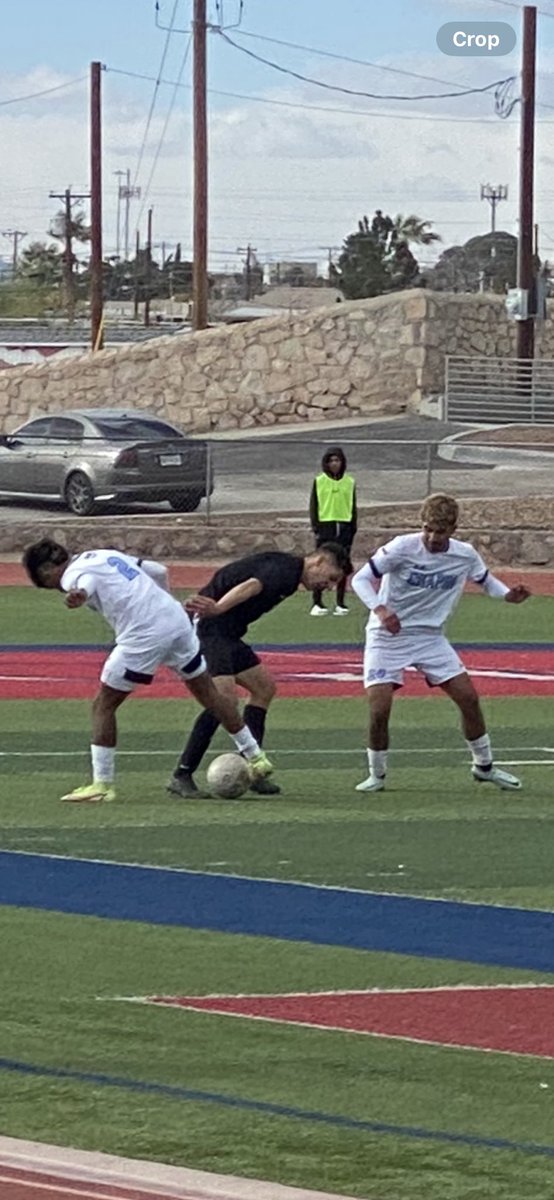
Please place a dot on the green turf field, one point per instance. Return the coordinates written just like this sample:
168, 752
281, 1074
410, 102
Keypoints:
433, 833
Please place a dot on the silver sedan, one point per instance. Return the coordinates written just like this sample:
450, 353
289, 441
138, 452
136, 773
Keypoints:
86, 456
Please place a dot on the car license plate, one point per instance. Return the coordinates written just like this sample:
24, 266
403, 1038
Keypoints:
170, 460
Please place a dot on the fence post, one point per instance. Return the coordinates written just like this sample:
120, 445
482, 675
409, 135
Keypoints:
429, 481
208, 480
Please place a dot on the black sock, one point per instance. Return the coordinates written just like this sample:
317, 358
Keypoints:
317, 597
341, 589
254, 717
201, 735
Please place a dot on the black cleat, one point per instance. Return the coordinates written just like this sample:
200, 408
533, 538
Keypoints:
265, 787
185, 787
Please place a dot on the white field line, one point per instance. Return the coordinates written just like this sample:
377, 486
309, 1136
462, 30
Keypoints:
280, 750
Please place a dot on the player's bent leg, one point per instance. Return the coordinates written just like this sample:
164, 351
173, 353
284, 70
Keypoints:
225, 708
462, 691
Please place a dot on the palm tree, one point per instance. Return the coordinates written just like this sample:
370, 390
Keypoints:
412, 230
69, 229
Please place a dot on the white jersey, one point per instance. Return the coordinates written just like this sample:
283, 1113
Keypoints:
137, 609
422, 587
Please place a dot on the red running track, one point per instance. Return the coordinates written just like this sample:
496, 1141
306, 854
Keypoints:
52, 674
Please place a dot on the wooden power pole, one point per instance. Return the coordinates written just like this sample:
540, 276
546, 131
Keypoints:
525, 330
96, 296
200, 218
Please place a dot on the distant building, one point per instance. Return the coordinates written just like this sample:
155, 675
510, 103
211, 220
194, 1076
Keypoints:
295, 274
278, 301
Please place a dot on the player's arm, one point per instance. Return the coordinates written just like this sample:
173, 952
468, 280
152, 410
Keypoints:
314, 508
79, 588
155, 571
354, 517
494, 587
206, 606
365, 583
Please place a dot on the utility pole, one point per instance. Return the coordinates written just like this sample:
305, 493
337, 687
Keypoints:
494, 195
200, 217
525, 332
96, 291
330, 251
15, 235
118, 230
250, 252
68, 198
148, 269
128, 193
137, 277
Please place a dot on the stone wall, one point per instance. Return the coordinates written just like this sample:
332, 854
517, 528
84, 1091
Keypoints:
507, 532
362, 358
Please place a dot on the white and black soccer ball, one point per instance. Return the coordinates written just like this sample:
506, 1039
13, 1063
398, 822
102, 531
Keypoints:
229, 776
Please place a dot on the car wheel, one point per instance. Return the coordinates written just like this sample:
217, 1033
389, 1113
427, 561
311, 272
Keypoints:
79, 494
185, 501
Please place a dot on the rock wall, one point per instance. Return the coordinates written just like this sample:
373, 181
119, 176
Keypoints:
507, 532
362, 358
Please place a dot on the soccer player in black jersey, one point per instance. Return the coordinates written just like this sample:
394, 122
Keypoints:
237, 595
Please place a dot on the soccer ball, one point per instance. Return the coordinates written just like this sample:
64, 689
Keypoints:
229, 776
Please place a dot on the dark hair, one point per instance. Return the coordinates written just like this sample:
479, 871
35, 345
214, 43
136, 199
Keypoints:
46, 553
339, 553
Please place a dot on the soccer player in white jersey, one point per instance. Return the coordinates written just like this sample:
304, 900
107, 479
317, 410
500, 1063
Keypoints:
411, 585
151, 628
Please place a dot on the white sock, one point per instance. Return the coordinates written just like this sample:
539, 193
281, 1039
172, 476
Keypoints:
481, 751
103, 763
377, 760
245, 743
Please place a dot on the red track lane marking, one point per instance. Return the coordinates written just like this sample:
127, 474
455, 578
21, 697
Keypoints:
57, 674
508, 1020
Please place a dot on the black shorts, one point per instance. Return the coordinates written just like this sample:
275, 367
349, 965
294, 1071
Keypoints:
228, 656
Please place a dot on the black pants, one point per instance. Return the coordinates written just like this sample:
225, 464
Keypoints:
333, 531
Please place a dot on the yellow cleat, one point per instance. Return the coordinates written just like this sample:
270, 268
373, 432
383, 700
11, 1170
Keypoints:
91, 793
260, 766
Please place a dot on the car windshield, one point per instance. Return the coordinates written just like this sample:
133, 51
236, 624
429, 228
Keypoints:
127, 429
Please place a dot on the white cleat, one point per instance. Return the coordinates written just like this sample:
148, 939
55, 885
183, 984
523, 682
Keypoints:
501, 779
340, 611
373, 783
318, 611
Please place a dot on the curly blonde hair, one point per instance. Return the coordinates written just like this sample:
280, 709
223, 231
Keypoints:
441, 511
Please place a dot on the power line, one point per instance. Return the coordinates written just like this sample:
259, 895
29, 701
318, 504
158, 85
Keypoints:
155, 92
177, 84
510, 4
44, 92
353, 112
361, 62
353, 91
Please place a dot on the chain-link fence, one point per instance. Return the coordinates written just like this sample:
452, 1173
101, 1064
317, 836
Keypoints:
213, 477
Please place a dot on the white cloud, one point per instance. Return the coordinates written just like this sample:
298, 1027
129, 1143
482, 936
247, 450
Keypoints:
288, 180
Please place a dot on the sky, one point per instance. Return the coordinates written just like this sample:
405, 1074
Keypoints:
292, 166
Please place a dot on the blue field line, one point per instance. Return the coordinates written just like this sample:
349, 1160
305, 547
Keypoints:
267, 1108
272, 647
325, 916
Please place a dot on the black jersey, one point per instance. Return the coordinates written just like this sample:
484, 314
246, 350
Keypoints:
279, 575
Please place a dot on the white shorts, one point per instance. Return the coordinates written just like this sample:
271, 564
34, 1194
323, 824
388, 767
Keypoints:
387, 655
131, 663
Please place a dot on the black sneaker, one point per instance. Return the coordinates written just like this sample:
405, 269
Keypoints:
265, 787
185, 787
